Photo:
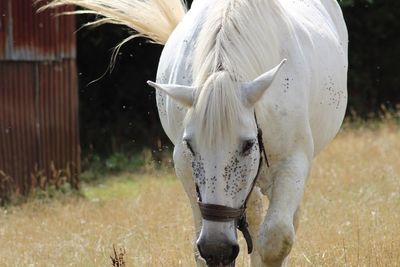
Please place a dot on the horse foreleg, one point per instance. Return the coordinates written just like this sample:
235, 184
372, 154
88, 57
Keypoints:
277, 233
254, 213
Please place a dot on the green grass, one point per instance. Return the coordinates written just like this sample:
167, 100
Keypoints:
127, 185
112, 189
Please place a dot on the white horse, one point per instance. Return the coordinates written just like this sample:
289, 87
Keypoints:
219, 68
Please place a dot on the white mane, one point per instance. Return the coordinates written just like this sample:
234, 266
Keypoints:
216, 109
233, 47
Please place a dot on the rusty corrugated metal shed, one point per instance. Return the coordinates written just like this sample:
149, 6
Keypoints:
38, 94
28, 35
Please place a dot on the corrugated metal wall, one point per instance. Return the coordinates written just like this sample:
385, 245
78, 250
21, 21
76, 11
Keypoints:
28, 35
39, 136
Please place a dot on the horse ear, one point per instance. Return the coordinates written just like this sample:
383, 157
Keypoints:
254, 90
182, 94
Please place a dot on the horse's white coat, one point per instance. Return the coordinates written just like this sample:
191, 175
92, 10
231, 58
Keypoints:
207, 94
299, 114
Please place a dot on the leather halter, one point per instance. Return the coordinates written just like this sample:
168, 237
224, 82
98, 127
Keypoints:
219, 213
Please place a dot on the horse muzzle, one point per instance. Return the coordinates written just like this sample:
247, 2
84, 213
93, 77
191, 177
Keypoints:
216, 251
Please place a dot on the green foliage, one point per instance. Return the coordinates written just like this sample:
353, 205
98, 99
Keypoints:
346, 3
96, 167
118, 162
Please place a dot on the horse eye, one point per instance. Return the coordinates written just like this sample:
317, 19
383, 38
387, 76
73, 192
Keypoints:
247, 145
189, 146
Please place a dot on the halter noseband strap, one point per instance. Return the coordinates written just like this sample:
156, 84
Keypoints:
219, 213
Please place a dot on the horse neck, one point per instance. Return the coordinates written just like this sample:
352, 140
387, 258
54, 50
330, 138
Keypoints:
239, 37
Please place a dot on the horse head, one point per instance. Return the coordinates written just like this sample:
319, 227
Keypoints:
220, 140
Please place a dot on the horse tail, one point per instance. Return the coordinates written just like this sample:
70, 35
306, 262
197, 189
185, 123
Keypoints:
152, 19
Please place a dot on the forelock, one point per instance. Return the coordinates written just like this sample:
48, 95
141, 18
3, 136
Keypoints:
215, 116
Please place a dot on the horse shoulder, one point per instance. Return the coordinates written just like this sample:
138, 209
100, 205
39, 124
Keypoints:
319, 61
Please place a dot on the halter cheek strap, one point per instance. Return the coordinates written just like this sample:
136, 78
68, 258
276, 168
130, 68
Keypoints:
219, 213
261, 143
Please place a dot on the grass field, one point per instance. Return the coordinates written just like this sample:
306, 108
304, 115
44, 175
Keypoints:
351, 215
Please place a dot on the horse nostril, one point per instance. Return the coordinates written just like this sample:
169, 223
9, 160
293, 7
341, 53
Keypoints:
235, 251
230, 257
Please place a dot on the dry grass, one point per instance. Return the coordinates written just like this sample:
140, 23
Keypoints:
351, 215
351, 211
